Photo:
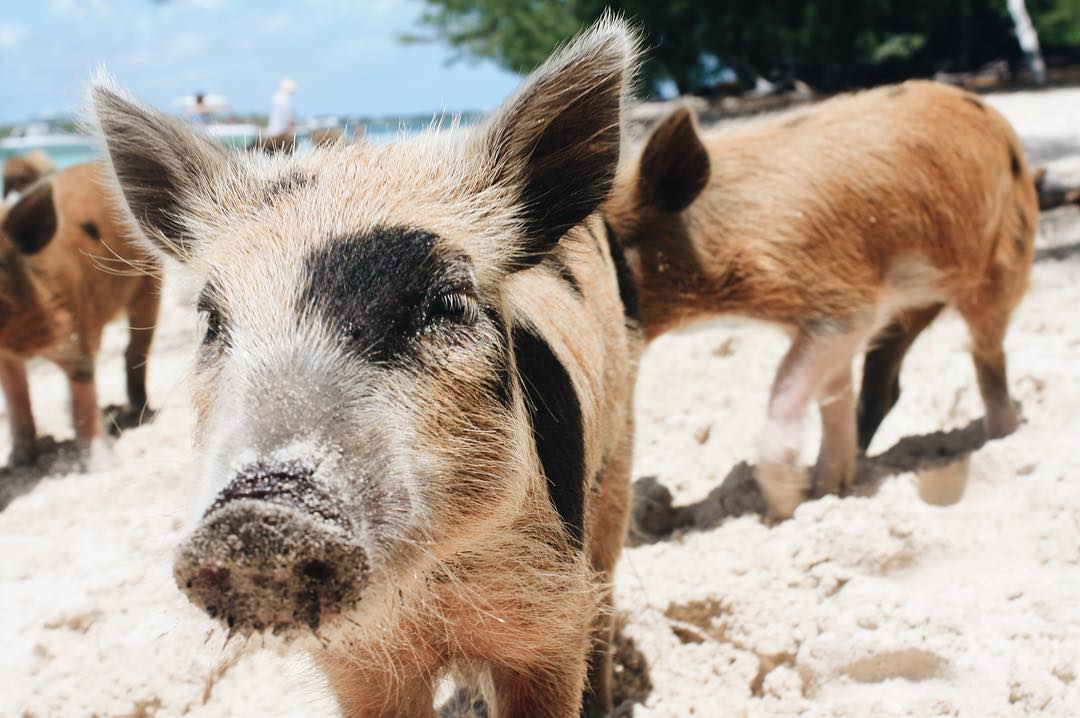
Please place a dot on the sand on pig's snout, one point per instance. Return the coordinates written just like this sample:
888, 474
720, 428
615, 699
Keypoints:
881, 604
257, 565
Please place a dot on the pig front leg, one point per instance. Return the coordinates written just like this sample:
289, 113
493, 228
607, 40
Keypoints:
552, 692
84, 406
811, 361
380, 688
609, 518
17, 396
142, 318
836, 463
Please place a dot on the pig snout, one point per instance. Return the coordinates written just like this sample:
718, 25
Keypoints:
273, 552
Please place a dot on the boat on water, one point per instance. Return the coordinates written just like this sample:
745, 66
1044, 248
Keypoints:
232, 134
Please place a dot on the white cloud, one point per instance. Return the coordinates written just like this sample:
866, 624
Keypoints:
275, 22
77, 9
185, 46
11, 35
377, 8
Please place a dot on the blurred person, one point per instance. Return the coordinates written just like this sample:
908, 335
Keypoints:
199, 113
281, 112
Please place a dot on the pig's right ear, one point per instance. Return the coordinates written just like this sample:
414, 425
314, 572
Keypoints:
31, 221
555, 144
675, 164
163, 169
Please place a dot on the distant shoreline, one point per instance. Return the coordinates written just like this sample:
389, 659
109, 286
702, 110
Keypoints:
65, 146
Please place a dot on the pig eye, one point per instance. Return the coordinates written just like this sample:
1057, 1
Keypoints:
456, 306
214, 322
213, 326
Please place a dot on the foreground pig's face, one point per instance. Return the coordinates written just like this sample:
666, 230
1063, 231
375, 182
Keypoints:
358, 406
355, 404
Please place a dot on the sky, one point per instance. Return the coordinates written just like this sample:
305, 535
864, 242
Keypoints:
344, 55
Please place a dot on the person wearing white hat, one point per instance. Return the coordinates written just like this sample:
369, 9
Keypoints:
281, 113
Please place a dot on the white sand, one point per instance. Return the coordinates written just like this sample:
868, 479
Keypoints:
964, 603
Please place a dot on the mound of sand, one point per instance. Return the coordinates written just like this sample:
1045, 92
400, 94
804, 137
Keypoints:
949, 585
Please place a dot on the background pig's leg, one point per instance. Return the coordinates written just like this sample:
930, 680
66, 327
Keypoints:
835, 468
17, 395
84, 407
142, 318
987, 322
811, 360
881, 370
610, 515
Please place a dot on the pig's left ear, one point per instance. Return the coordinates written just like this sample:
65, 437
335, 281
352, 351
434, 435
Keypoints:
555, 143
164, 171
31, 221
674, 165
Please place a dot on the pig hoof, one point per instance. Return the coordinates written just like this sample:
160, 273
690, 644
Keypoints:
121, 418
783, 485
23, 455
29, 453
834, 480
1002, 423
95, 455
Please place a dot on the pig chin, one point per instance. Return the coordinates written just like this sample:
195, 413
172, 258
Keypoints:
274, 552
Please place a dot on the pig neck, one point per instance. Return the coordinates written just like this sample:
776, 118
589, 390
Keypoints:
676, 286
28, 326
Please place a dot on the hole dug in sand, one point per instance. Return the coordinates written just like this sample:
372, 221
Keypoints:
911, 664
940, 460
944, 485
698, 621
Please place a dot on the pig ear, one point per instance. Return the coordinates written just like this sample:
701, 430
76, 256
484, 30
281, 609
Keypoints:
22, 171
31, 221
675, 165
555, 143
163, 169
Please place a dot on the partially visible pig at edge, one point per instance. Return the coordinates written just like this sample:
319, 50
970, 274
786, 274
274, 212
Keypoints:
67, 268
21, 171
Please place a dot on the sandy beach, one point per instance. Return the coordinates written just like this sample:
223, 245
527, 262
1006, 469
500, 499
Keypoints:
949, 585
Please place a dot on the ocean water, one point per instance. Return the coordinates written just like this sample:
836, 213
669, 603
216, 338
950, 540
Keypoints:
61, 156
67, 155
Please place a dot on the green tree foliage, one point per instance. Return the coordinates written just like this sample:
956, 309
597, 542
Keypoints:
1057, 21
827, 43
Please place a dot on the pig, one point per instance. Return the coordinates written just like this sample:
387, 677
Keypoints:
1052, 191
67, 268
21, 171
413, 394
850, 224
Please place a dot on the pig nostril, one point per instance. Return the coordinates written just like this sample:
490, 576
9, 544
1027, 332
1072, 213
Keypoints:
215, 579
317, 571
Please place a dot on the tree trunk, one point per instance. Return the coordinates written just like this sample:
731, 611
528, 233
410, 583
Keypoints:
1028, 39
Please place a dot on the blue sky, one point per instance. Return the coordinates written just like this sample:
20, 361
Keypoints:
343, 53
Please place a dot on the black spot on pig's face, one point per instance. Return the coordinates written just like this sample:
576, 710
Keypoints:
383, 291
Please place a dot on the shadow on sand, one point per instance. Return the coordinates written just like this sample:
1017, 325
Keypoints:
655, 517
1061, 252
58, 458
54, 458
